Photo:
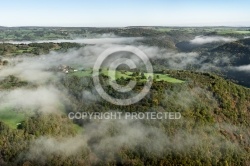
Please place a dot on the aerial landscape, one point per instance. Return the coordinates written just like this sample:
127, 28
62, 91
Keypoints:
125, 83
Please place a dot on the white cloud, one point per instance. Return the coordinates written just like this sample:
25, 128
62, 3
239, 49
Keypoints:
211, 39
102, 40
46, 99
244, 68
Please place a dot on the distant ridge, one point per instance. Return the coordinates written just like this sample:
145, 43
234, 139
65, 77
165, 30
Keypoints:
155, 26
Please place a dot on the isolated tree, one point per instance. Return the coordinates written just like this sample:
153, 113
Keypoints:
143, 76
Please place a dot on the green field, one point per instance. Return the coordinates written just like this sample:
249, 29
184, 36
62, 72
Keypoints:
243, 32
128, 74
164, 29
82, 73
11, 117
232, 31
167, 78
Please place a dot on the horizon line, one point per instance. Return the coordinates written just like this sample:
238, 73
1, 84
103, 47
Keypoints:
177, 26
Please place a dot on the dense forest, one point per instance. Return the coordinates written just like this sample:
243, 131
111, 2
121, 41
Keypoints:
214, 112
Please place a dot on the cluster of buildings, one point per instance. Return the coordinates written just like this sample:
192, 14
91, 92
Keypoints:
66, 69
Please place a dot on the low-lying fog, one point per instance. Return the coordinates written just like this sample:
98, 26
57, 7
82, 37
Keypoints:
109, 40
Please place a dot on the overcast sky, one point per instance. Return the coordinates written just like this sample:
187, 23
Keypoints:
113, 13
